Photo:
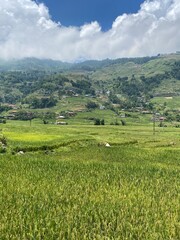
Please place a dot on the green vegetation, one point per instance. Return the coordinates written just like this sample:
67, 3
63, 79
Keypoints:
127, 82
90, 150
169, 102
69, 185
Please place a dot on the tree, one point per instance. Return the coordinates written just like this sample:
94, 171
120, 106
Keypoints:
97, 121
114, 99
24, 115
47, 116
102, 122
43, 102
91, 105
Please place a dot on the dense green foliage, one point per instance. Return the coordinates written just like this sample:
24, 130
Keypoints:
91, 105
4, 108
176, 70
43, 102
43, 85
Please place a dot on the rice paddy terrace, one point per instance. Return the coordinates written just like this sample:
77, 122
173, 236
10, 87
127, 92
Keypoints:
64, 182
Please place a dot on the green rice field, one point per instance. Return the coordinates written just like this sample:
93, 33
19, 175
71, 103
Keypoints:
62, 182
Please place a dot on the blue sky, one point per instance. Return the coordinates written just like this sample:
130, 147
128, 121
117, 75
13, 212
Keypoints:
78, 12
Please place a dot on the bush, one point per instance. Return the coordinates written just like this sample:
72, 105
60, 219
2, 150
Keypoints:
3, 140
2, 149
97, 121
3, 144
91, 105
123, 122
102, 122
3, 121
45, 122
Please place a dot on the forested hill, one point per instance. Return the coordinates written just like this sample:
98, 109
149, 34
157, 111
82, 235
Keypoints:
29, 64
123, 79
52, 65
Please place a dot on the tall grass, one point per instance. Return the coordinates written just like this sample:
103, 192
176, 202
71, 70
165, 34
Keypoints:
91, 193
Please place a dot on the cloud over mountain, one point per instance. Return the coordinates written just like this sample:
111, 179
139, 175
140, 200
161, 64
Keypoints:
26, 30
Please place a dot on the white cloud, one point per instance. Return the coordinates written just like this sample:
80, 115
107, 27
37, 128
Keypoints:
26, 30
89, 30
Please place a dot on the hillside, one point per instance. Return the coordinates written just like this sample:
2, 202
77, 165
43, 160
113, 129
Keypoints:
128, 83
162, 65
33, 64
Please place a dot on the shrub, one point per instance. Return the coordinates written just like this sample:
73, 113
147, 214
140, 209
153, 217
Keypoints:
97, 121
45, 122
91, 105
3, 140
2, 149
123, 122
102, 122
3, 121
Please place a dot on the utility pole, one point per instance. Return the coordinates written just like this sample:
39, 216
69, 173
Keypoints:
154, 123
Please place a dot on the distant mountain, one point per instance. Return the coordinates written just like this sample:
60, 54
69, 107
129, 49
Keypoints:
93, 65
125, 78
28, 64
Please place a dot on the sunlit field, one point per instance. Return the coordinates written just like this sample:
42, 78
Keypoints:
62, 182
